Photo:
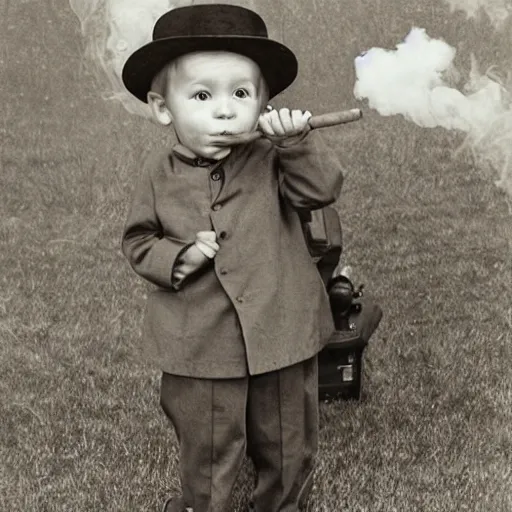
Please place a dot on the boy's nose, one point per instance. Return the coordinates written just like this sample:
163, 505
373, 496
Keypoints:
224, 110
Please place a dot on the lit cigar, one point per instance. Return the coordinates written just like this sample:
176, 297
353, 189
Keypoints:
320, 121
334, 118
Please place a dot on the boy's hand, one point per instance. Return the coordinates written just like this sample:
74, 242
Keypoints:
197, 255
206, 242
284, 123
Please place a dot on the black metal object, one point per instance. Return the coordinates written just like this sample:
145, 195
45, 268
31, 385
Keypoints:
355, 316
340, 363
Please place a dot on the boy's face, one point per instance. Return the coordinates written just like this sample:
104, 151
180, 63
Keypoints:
213, 93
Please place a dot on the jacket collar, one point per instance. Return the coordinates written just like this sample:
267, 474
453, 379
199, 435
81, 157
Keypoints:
187, 156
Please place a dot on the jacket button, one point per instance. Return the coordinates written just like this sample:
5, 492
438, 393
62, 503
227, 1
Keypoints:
240, 299
216, 207
223, 235
223, 271
215, 176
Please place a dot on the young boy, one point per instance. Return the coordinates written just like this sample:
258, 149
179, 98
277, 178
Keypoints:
239, 312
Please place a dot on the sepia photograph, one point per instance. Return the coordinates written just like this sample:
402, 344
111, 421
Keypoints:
256, 256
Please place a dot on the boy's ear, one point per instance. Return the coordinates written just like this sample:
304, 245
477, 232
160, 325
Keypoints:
159, 108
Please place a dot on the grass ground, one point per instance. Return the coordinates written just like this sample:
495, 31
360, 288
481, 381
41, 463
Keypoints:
81, 429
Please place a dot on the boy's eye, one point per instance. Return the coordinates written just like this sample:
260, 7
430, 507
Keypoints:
202, 96
241, 93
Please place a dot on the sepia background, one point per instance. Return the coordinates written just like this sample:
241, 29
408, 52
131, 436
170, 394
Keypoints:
425, 229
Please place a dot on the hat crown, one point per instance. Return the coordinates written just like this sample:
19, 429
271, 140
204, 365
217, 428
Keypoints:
210, 20
206, 28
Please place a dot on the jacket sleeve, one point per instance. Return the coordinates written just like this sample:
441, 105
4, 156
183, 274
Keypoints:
178, 266
311, 175
150, 253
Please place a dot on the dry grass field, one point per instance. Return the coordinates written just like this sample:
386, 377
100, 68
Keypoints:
429, 235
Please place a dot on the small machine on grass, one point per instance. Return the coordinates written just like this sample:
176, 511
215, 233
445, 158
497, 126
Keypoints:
356, 317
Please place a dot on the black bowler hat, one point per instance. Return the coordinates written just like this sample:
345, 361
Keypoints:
210, 27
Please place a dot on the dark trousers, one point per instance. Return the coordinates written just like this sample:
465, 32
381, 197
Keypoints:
272, 417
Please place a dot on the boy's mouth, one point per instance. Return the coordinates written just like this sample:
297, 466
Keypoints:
227, 138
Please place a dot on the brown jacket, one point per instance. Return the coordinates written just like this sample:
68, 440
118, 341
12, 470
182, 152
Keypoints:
260, 304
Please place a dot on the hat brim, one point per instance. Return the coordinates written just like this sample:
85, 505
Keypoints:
278, 64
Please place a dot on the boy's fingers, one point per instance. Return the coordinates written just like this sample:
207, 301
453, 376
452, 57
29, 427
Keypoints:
307, 115
206, 249
286, 120
265, 125
284, 123
298, 119
275, 122
302, 122
206, 236
213, 245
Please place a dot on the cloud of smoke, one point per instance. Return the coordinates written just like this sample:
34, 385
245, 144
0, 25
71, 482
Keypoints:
414, 81
112, 31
